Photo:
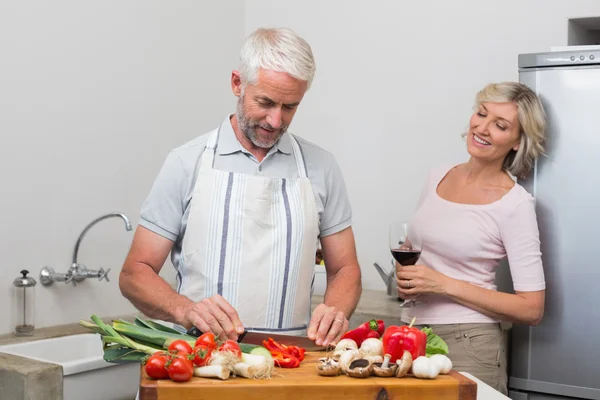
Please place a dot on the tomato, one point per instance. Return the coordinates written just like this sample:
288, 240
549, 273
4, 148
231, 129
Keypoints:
180, 345
180, 368
201, 355
230, 345
156, 366
208, 340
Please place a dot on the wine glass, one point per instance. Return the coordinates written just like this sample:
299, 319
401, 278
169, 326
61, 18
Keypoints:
404, 251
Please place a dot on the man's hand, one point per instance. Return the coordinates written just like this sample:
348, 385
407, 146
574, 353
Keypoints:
216, 315
327, 325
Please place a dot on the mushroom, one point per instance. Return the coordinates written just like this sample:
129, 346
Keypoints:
404, 363
343, 346
359, 368
328, 367
346, 358
371, 347
373, 359
384, 369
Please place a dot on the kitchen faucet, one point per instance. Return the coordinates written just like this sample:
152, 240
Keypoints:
78, 272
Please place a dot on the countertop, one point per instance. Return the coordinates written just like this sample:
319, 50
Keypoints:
372, 304
375, 303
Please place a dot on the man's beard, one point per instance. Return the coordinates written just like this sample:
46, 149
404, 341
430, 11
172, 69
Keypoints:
248, 128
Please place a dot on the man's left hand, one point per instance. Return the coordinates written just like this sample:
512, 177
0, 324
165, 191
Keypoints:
327, 325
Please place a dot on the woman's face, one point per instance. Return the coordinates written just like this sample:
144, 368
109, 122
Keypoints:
494, 131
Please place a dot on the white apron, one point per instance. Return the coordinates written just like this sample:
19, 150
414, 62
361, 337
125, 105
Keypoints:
252, 240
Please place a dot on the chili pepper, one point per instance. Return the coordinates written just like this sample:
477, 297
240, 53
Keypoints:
370, 329
396, 339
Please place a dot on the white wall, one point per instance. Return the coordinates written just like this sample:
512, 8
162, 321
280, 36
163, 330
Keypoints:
395, 84
93, 95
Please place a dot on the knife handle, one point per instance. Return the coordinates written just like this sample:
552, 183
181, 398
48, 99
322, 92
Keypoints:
193, 331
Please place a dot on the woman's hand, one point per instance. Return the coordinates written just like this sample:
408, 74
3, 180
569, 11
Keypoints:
412, 280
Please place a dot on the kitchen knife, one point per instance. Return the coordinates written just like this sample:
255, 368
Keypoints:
252, 337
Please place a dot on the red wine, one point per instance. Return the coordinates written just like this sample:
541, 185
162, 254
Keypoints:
406, 257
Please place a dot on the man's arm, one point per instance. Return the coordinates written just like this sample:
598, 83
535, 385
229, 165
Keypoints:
343, 272
330, 319
140, 283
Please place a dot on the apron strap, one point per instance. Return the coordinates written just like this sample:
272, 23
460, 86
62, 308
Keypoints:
208, 157
299, 157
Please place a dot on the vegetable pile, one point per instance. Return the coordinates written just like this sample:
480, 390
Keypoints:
169, 354
397, 351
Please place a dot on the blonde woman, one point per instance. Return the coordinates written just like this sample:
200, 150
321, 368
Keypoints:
471, 216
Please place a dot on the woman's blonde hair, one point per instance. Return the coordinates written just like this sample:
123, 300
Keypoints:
532, 121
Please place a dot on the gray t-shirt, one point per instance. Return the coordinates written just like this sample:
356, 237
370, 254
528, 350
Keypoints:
165, 211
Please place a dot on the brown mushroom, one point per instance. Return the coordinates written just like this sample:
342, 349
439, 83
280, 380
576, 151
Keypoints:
359, 368
384, 369
404, 364
328, 367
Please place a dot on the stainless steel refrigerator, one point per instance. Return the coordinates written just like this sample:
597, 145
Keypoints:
560, 358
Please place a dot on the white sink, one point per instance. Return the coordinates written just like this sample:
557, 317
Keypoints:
85, 373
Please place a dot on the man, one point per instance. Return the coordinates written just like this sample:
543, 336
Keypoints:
241, 209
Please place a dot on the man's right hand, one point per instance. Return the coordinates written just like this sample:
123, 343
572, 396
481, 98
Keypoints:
215, 314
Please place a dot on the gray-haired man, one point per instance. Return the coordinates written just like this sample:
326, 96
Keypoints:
242, 208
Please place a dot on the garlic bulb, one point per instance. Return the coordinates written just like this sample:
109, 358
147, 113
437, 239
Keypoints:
425, 368
444, 362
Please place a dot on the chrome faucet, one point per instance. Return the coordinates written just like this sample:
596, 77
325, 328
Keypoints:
78, 272
389, 278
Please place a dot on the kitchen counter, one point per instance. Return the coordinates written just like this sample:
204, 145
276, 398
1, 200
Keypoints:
23, 378
372, 304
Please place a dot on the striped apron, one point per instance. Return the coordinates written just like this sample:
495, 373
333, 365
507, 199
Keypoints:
252, 240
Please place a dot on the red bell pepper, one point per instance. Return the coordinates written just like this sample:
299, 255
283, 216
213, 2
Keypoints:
284, 361
370, 329
396, 339
284, 356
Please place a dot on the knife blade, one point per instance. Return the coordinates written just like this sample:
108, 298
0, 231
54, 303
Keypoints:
252, 337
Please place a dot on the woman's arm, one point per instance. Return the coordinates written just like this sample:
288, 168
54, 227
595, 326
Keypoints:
522, 307
520, 236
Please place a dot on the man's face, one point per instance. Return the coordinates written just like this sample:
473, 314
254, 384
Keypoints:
266, 108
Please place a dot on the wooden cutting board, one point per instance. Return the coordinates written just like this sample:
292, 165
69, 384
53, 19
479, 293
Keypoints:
304, 383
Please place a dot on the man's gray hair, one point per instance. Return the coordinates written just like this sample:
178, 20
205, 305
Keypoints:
276, 49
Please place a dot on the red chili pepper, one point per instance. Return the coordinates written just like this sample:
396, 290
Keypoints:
373, 328
396, 339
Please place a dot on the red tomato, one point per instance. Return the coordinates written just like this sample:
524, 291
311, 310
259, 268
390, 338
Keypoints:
156, 366
208, 340
201, 355
180, 346
230, 345
181, 368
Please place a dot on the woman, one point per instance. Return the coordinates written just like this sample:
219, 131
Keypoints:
470, 216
